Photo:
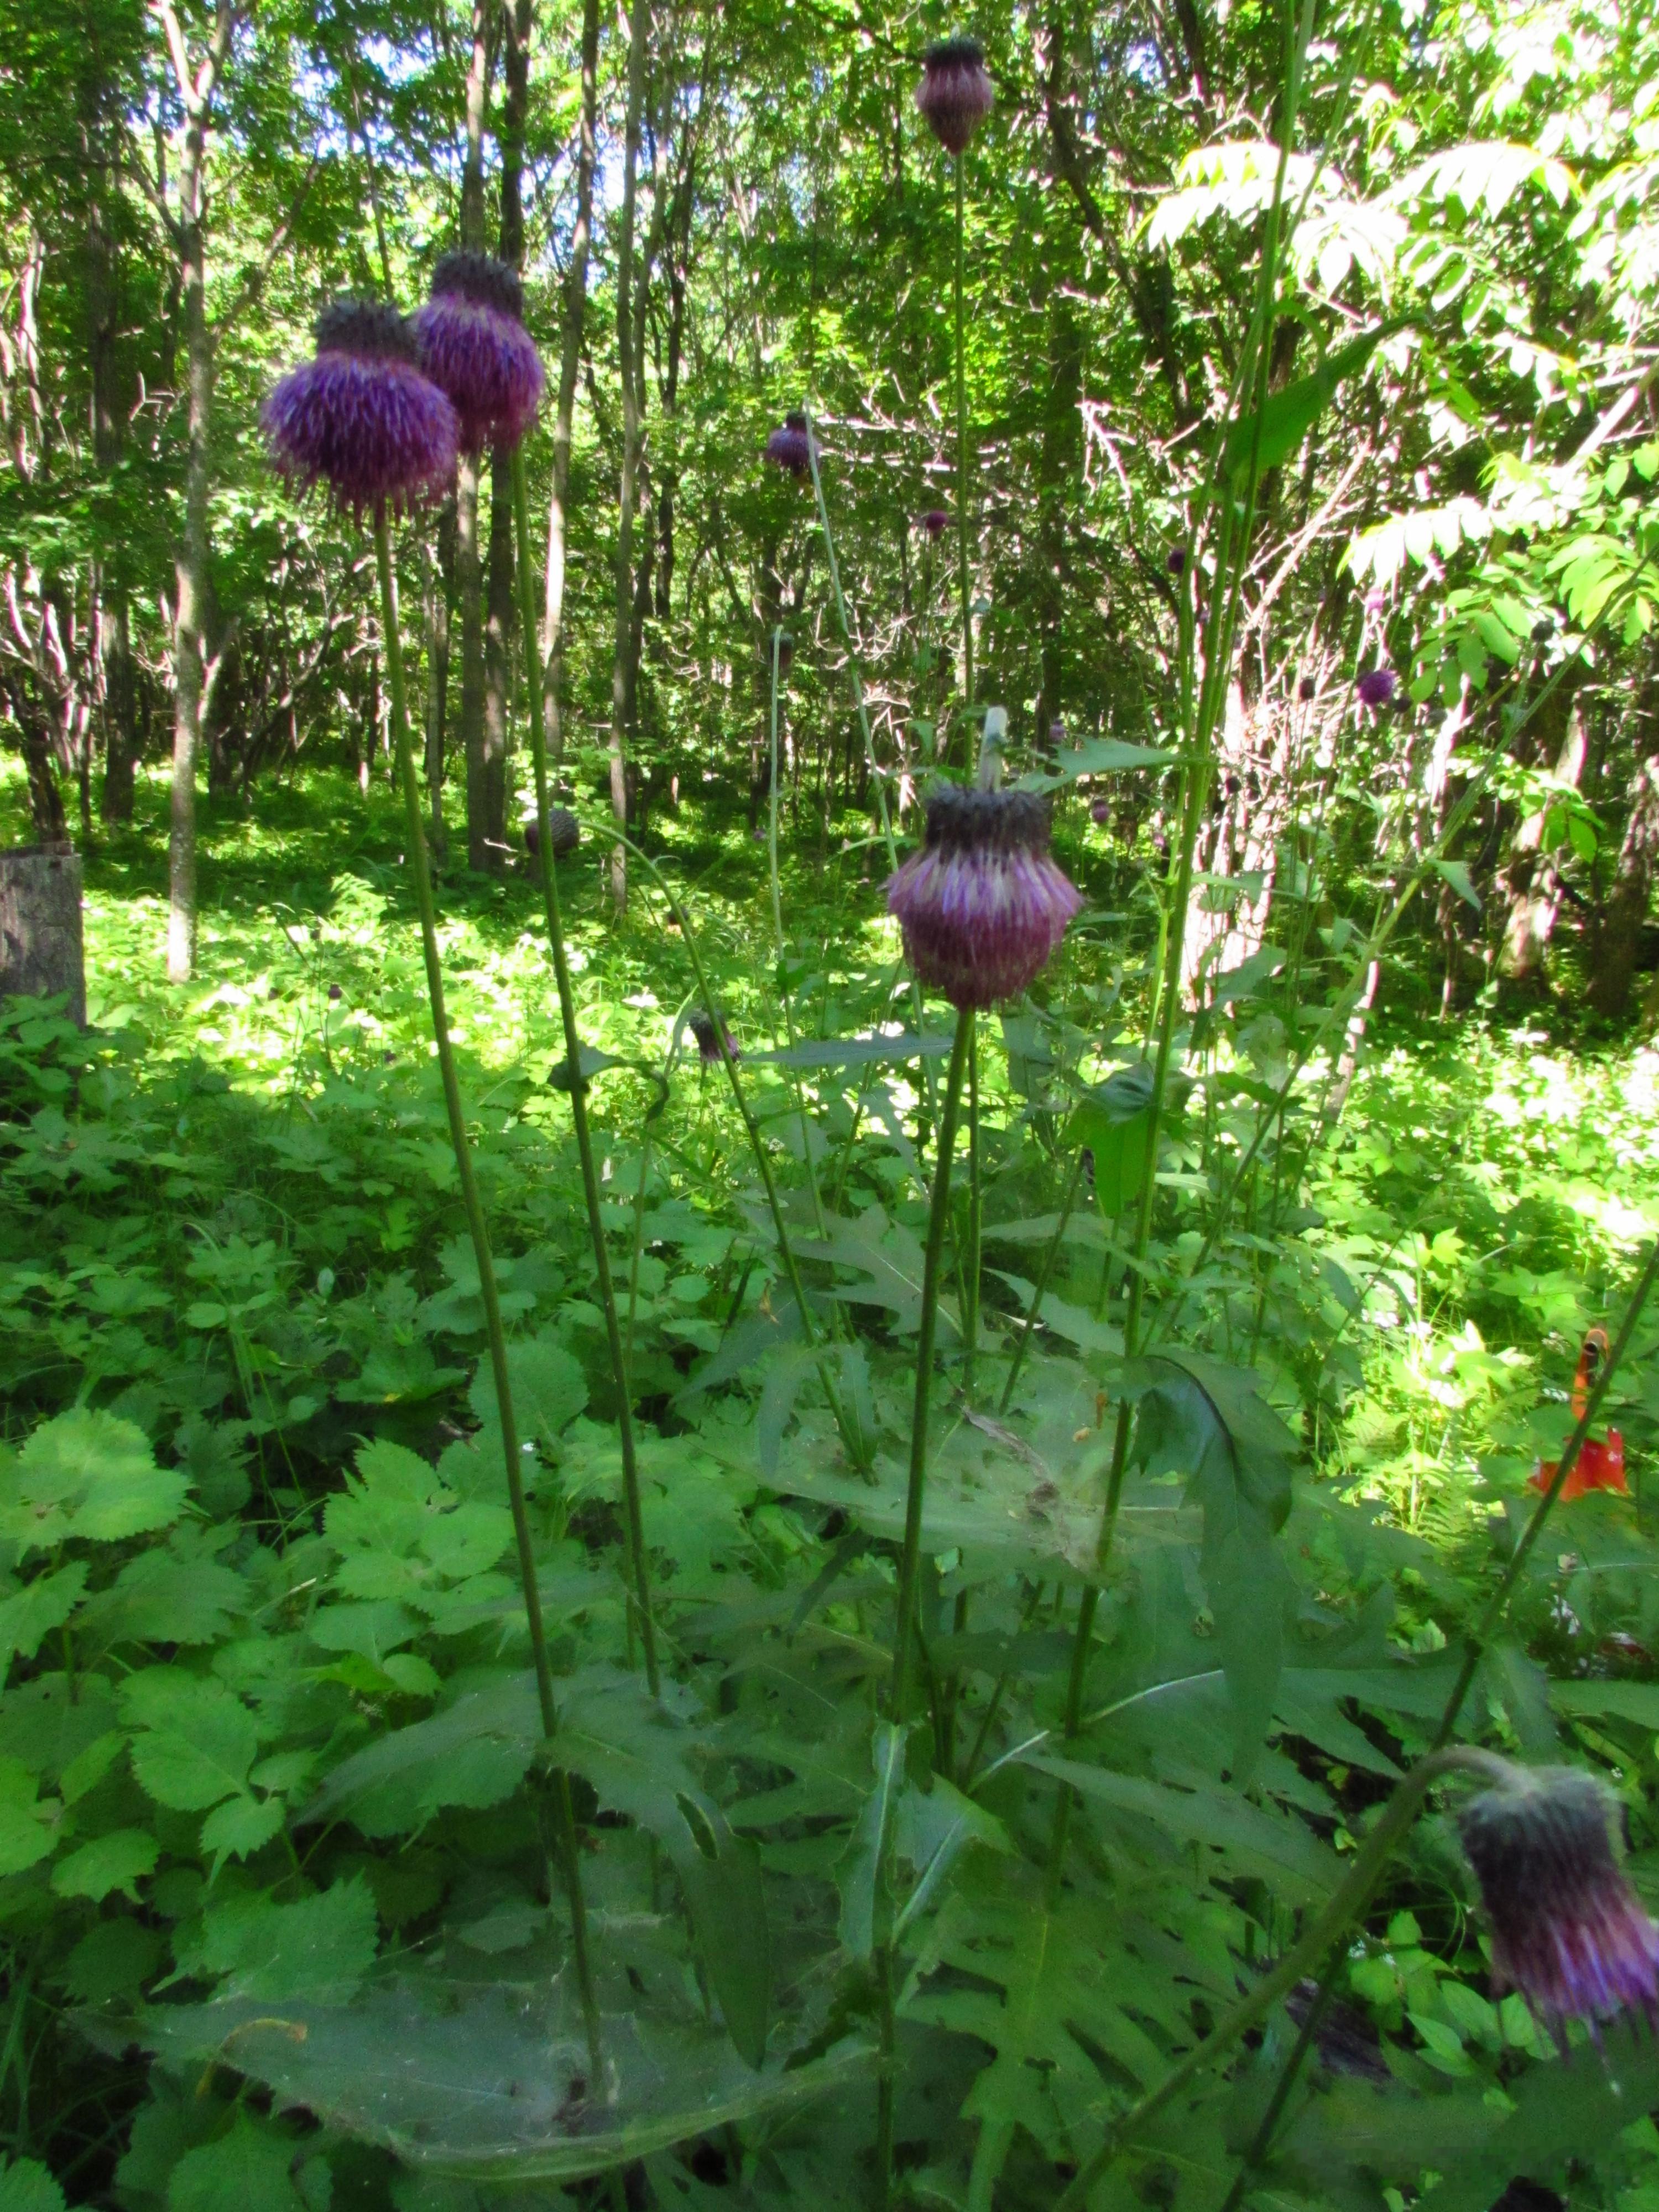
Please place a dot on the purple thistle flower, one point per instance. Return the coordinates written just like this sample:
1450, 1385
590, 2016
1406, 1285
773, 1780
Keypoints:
790, 445
934, 523
1307, 688
564, 833
1567, 1930
1177, 563
701, 1024
1100, 812
1376, 687
955, 94
360, 416
982, 904
474, 345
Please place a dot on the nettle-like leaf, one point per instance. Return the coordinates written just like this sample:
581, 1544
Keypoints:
30, 1613
1115, 1121
318, 1948
194, 1739
87, 1475
403, 1533
1208, 1422
27, 1835
25, 2185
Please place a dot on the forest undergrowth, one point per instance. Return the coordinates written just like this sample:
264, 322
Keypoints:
269, 1783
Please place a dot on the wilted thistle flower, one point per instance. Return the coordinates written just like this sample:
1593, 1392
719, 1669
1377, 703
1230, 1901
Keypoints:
1567, 1930
1376, 687
701, 1024
474, 345
563, 830
982, 904
955, 94
360, 416
934, 523
790, 445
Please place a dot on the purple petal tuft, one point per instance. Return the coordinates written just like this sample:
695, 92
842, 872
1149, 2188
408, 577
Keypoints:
982, 905
486, 362
369, 425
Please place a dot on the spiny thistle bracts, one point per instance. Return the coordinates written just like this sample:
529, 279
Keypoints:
474, 344
790, 445
362, 416
1567, 1929
955, 94
982, 905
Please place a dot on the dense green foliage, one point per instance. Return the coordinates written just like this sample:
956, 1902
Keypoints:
1291, 1192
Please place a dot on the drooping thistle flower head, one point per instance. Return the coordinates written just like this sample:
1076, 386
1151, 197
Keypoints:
1376, 687
790, 445
1567, 1930
701, 1022
933, 523
1100, 812
955, 94
563, 830
982, 905
360, 416
474, 345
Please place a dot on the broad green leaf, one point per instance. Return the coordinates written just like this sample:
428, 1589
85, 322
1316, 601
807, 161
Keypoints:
25, 1835
1113, 1120
493, 2089
195, 1739
1290, 415
32, 1612
864, 1905
549, 1388
1097, 756
1625, 1701
25, 2185
241, 1826
475, 1751
249, 2170
119, 1861
320, 1946
1456, 873
85, 1474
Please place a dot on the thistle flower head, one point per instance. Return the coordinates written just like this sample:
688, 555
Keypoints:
982, 905
955, 94
790, 445
1376, 687
360, 416
474, 345
1306, 689
1100, 812
1567, 1930
563, 830
701, 1024
934, 522
1176, 561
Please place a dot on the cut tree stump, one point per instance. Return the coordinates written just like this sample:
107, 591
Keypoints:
41, 953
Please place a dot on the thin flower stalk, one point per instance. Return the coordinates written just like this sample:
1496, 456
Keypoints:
415, 833
638, 1562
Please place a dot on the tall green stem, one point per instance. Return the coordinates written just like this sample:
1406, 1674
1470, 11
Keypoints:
971, 1264
860, 704
937, 1218
638, 1563
415, 833
772, 820
964, 486
1050, 1254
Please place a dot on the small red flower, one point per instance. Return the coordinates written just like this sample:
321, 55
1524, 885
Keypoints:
1600, 1461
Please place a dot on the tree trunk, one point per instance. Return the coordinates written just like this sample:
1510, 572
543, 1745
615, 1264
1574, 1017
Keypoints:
498, 639
1618, 936
117, 690
196, 90
575, 306
41, 955
621, 670
469, 568
1529, 880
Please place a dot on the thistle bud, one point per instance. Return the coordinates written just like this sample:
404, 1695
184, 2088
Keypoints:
1567, 1930
474, 344
360, 416
790, 445
982, 905
1376, 687
955, 94
563, 830
933, 523
706, 1036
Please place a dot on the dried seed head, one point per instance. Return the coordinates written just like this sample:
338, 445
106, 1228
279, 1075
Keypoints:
474, 344
955, 94
982, 905
1567, 1929
790, 445
360, 416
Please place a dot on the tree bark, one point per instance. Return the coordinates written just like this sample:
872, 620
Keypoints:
196, 87
1529, 881
576, 311
41, 954
468, 566
1617, 938
498, 636
621, 684
117, 689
